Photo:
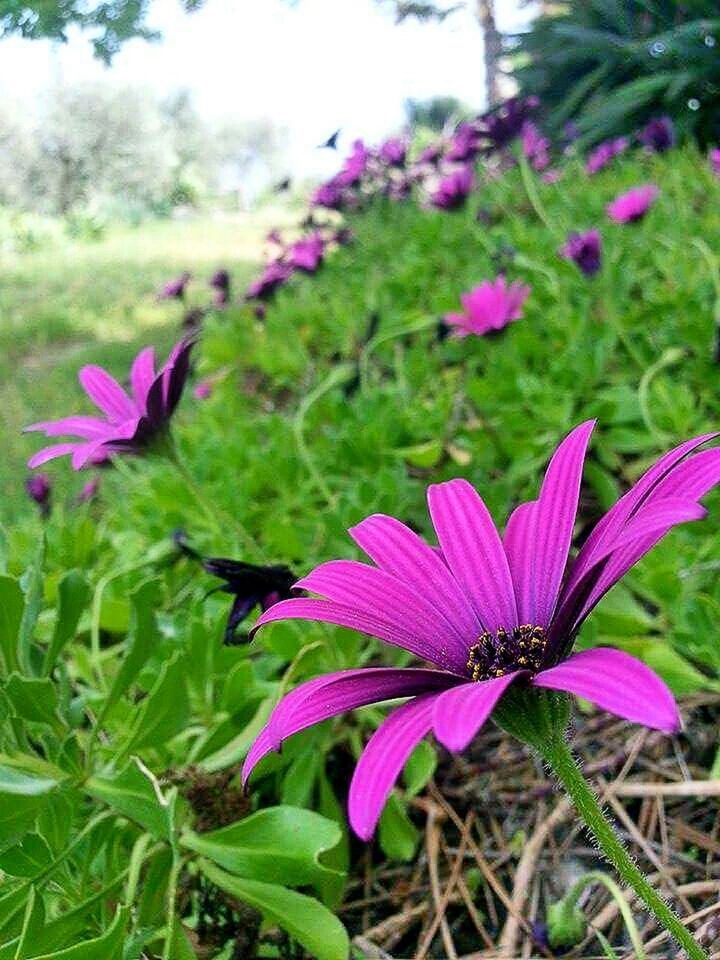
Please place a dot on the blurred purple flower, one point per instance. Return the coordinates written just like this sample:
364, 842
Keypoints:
175, 289
273, 276
251, 586
393, 152
552, 176
605, 152
432, 154
39, 489
488, 307
658, 135
505, 123
343, 236
260, 311
132, 421
89, 491
354, 167
464, 144
307, 254
714, 159
487, 612
220, 283
585, 250
330, 195
203, 390
535, 146
632, 206
453, 189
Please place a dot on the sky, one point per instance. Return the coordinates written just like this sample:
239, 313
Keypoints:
313, 66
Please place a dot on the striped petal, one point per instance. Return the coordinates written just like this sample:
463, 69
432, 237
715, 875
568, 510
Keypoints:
51, 453
460, 713
89, 428
106, 393
519, 545
142, 375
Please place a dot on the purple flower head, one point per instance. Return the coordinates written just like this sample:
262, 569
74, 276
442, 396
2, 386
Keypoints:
307, 254
260, 311
432, 154
39, 489
273, 276
714, 160
393, 152
585, 249
220, 282
453, 189
89, 491
602, 155
488, 612
632, 206
535, 146
464, 144
251, 586
504, 124
330, 195
175, 289
399, 188
552, 176
354, 167
488, 307
131, 422
658, 135
203, 390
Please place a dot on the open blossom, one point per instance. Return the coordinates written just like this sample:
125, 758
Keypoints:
175, 289
273, 276
453, 189
393, 152
130, 421
602, 155
39, 489
585, 250
536, 147
714, 158
488, 612
633, 205
658, 135
306, 254
488, 307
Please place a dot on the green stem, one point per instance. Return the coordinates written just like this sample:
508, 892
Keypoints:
569, 902
530, 184
557, 754
171, 901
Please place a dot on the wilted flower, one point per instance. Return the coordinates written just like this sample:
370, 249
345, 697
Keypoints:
251, 586
453, 189
175, 289
273, 276
306, 254
602, 155
203, 390
39, 489
489, 613
393, 152
88, 491
633, 205
535, 146
658, 135
220, 282
488, 307
131, 422
585, 250
714, 158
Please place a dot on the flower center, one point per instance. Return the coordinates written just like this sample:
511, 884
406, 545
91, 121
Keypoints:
494, 655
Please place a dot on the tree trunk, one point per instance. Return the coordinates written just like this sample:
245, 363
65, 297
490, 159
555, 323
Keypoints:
492, 44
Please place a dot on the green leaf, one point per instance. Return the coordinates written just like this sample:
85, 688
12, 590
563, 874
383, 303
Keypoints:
337, 859
12, 605
236, 749
398, 837
180, 946
109, 946
33, 923
680, 675
27, 858
32, 583
306, 920
420, 767
278, 845
135, 793
34, 700
164, 711
22, 795
73, 597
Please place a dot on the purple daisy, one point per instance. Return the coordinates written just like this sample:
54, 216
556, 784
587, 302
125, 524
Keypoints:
131, 421
487, 612
453, 190
601, 156
175, 289
275, 274
584, 249
307, 254
658, 135
535, 147
632, 206
714, 160
393, 152
489, 307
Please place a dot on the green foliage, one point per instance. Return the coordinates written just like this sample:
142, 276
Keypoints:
612, 64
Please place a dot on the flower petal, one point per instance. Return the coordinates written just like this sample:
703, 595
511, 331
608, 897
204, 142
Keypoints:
50, 453
335, 693
474, 552
459, 713
692, 479
142, 375
106, 393
175, 374
519, 544
375, 593
618, 683
399, 551
555, 519
89, 428
382, 761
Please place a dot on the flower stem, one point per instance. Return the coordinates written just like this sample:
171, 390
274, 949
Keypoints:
557, 754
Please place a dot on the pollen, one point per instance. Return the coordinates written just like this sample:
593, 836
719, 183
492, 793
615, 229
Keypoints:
497, 654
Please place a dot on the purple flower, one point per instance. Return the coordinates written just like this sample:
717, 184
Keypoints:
552, 176
251, 586
307, 254
488, 307
505, 123
585, 250
487, 612
632, 206
464, 144
273, 276
131, 422
602, 155
220, 283
89, 491
453, 189
175, 289
714, 159
535, 146
203, 390
39, 489
393, 152
330, 195
354, 167
658, 135
431, 155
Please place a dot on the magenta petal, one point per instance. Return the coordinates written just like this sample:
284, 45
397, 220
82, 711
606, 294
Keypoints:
383, 759
375, 593
474, 552
691, 479
555, 519
50, 453
106, 393
342, 615
335, 693
519, 544
399, 551
618, 683
89, 428
459, 713
142, 375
